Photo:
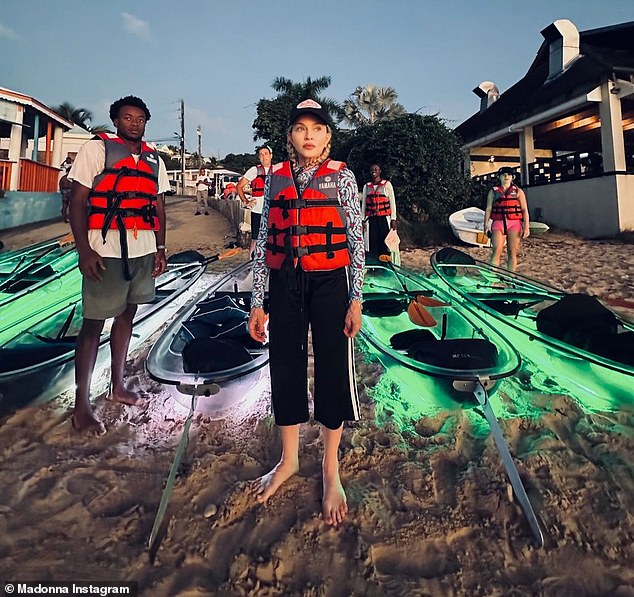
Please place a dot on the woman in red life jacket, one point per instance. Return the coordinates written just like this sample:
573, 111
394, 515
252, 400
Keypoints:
508, 212
378, 207
312, 253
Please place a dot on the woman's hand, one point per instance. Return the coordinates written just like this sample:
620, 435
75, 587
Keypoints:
257, 323
352, 322
527, 231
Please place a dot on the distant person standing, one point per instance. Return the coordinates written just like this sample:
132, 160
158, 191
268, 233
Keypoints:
378, 207
256, 178
203, 183
117, 216
65, 184
508, 211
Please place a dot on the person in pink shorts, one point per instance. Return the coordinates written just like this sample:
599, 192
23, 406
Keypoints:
508, 211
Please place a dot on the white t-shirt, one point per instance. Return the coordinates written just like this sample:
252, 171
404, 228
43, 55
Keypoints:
251, 175
202, 183
89, 163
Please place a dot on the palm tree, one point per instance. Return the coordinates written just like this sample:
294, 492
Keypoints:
370, 104
81, 117
311, 88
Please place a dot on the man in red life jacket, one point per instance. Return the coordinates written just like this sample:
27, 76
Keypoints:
508, 212
256, 177
378, 207
117, 216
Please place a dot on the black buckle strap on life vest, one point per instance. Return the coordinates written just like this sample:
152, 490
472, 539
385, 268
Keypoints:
329, 249
123, 239
300, 203
274, 231
128, 170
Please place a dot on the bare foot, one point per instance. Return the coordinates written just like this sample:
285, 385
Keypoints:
125, 396
334, 506
87, 423
264, 487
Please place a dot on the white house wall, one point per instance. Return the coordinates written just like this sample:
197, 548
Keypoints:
589, 206
626, 201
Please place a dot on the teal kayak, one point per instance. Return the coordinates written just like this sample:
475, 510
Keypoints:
583, 346
38, 363
29, 271
416, 326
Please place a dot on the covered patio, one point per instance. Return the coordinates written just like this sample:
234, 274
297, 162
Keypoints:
567, 127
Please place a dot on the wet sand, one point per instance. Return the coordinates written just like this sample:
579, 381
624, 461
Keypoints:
430, 507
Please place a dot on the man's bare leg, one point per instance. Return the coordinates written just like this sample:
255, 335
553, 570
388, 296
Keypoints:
119, 343
334, 504
264, 487
85, 358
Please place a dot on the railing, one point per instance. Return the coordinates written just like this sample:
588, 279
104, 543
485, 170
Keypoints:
572, 166
5, 175
37, 177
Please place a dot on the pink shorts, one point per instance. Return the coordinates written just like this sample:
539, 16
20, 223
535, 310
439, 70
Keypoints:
511, 225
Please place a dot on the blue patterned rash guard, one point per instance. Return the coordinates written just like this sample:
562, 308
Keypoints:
349, 199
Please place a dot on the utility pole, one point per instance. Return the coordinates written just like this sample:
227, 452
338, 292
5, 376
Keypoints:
182, 146
199, 132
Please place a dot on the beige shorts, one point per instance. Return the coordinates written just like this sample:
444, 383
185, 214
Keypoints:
110, 296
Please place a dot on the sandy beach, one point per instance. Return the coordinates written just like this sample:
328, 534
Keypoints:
431, 513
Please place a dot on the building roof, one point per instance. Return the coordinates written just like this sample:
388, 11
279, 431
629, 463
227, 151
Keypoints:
25, 100
603, 53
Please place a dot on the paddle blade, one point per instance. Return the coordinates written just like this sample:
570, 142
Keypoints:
229, 253
68, 239
418, 315
427, 301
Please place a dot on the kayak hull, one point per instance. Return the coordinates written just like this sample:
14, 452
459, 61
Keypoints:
38, 364
511, 302
195, 353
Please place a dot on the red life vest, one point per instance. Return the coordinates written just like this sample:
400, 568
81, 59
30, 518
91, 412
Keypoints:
376, 201
310, 229
257, 184
123, 196
506, 204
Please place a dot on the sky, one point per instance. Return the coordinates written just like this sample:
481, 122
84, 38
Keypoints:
220, 58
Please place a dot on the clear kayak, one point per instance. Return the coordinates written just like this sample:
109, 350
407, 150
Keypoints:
578, 342
207, 351
37, 363
416, 325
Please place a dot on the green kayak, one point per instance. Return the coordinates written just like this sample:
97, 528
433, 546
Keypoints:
416, 327
583, 346
37, 363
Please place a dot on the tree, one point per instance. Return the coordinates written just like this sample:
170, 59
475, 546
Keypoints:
422, 157
81, 117
371, 104
271, 122
239, 162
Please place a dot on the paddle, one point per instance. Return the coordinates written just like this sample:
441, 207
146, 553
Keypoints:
171, 477
416, 310
19, 271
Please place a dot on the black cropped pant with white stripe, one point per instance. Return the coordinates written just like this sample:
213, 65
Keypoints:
297, 300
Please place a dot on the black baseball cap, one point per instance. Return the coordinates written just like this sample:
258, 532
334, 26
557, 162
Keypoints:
310, 106
507, 170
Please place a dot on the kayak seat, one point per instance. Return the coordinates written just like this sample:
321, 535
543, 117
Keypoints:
580, 320
616, 347
26, 356
404, 340
208, 355
455, 353
384, 307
